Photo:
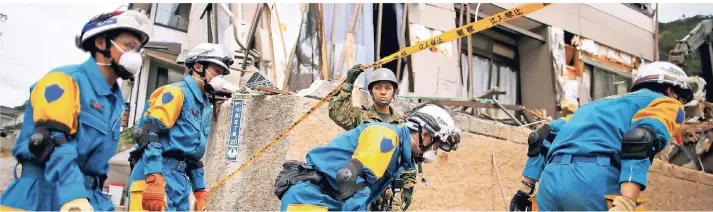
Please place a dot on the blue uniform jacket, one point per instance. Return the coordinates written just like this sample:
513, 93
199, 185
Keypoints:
597, 129
79, 97
382, 148
182, 110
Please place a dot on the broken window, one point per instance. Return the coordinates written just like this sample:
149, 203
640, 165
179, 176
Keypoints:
646, 9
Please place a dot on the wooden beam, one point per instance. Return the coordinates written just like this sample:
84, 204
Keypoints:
273, 71
323, 43
378, 31
272, 90
470, 56
349, 41
402, 43
607, 62
331, 43
477, 104
279, 25
459, 50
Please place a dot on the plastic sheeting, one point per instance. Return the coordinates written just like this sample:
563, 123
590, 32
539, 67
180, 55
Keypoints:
307, 57
284, 35
363, 36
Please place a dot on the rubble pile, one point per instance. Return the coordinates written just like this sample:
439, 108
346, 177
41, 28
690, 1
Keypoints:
694, 152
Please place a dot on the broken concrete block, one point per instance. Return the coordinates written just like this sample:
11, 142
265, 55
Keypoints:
260, 119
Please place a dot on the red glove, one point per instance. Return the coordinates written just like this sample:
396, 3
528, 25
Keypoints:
154, 196
201, 202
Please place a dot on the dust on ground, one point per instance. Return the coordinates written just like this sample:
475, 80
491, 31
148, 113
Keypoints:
5, 153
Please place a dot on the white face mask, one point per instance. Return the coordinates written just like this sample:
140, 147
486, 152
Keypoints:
217, 82
131, 61
429, 156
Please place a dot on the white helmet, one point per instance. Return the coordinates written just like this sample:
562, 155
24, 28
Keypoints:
133, 20
208, 52
438, 123
663, 73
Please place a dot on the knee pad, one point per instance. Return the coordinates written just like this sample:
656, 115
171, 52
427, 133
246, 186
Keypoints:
535, 142
347, 179
637, 143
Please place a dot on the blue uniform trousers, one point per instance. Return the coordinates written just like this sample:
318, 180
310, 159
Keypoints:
32, 192
577, 183
309, 196
178, 186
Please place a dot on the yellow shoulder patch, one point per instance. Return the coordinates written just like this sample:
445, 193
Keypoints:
165, 104
55, 98
666, 110
376, 147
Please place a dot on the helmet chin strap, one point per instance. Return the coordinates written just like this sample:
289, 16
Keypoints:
120, 71
210, 90
419, 159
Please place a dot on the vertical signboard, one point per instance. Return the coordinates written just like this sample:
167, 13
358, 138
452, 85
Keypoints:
236, 117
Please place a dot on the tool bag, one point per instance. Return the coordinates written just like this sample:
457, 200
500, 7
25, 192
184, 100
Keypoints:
294, 171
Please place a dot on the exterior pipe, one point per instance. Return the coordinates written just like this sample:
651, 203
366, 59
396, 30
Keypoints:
251, 35
234, 22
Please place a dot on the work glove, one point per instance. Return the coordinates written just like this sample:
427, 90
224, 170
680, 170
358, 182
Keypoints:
154, 196
521, 200
353, 73
406, 197
623, 203
201, 202
81, 204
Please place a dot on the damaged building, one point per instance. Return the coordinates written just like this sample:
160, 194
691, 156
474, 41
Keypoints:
562, 56
522, 72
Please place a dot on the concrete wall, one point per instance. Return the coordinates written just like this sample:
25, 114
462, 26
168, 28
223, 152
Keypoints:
467, 177
536, 73
613, 24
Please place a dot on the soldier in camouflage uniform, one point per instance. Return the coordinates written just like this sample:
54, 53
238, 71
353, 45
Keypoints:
382, 87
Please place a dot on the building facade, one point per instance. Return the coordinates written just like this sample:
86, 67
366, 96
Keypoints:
577, 52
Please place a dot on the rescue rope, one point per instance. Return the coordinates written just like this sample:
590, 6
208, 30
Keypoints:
451, 35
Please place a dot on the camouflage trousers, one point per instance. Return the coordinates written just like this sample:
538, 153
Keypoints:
401, 200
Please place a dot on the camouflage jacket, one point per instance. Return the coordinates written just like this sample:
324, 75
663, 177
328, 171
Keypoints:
349, 117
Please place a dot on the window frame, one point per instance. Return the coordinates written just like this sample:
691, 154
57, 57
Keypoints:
610, 74
169, 26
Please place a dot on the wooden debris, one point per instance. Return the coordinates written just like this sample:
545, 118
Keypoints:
272, 90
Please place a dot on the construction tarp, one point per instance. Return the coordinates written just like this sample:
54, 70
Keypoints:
363, 36
305, 64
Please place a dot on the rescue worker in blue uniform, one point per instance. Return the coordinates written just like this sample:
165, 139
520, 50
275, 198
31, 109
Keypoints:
607, 146
357, 166
172, 137
71, 123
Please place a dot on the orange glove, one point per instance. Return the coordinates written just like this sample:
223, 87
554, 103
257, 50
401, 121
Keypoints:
154, 196
201, 204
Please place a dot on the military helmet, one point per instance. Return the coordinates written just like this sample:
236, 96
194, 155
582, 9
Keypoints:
382, 74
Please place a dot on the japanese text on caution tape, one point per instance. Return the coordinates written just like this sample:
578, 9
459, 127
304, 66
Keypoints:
459, 32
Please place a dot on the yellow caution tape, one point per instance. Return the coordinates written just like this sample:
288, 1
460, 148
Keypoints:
462, 31
459, 32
